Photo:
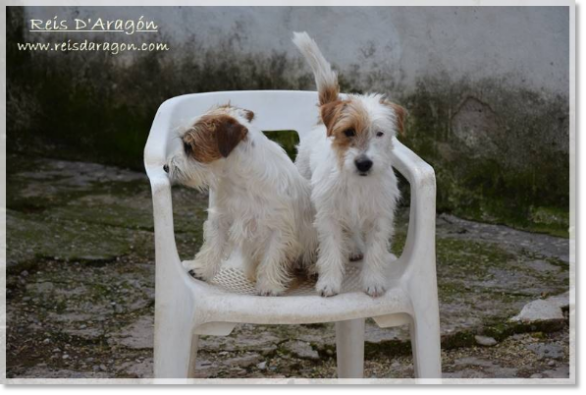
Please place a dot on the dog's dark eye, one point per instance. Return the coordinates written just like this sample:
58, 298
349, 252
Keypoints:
187, 148
379, 134
350, 132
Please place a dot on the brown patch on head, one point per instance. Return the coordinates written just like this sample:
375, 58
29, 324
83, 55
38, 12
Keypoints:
347, 121
213, 137
400, 114
249, 115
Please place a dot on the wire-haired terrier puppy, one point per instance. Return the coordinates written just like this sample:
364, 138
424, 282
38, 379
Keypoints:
354, 189
261, 203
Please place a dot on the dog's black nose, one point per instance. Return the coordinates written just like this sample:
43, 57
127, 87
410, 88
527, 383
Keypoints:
166, 168
363, 164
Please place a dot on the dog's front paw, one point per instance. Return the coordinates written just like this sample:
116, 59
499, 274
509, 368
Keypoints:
201, 270
375, 274
375, 290
328, 287
264, 289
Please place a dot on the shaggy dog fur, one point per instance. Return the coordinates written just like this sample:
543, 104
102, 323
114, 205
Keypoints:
261, 203
354, 189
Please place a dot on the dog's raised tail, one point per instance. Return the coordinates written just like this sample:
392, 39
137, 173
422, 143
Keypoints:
326, 79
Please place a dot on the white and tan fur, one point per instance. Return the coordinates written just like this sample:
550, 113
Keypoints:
354, 189
262, 204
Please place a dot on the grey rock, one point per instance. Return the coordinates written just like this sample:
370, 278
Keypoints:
44, 287
561, 372
473, 361
547, 351
137, 335
301, 349
465, 374
539, 310
140, 369
562, 300
485, 341
86, 333
49, 373
242, 361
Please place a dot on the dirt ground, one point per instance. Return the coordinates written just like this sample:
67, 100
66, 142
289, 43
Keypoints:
80, 290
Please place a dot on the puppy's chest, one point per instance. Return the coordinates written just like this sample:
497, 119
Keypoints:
354, 207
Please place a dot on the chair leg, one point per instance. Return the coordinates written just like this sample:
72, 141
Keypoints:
425, 343
350, 348
174, 346
193, 356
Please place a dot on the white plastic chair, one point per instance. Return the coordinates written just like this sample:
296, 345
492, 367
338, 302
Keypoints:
186, 307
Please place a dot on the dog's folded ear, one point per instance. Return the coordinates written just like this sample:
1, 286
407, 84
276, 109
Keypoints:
400, 114
329, 112
229, 132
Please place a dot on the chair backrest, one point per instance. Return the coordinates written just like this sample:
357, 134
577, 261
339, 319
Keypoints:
274, 110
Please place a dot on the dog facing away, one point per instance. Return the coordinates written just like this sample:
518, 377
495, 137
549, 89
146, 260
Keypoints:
262, 204
354, 189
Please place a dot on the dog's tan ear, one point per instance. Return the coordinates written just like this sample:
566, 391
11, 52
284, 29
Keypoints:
229, 132
400, 114
329, 112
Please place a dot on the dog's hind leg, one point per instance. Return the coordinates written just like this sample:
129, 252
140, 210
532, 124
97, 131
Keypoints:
250, 261
273, 272
356, 246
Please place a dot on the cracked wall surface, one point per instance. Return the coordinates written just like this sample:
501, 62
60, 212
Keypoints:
486, 88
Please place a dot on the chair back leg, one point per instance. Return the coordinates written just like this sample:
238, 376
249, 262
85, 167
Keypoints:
426, 345
193, 356
350, 348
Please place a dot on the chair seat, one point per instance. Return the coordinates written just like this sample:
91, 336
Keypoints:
235, 299
234, 281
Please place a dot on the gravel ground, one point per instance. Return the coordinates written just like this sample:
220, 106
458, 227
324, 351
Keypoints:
80, 290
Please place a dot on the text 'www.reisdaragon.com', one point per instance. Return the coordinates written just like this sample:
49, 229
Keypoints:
114, 48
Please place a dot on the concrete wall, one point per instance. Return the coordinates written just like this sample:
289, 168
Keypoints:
526, 46
486, 87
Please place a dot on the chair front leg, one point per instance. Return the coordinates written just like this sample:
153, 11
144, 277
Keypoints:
174, 338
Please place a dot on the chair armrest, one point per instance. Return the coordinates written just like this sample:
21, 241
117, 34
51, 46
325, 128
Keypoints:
419, 251
166, 255
168, 264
